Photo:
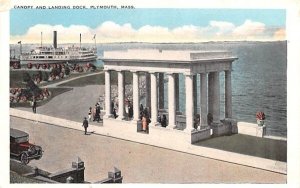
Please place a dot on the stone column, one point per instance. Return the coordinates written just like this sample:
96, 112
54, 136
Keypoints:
195, 99
161, 90
176, 77
214, 95
228, 95
189, 103
210, 92
148, 90
171, 101
153, 99
203, 100
216, 104
107, 94
135, 95
121, 94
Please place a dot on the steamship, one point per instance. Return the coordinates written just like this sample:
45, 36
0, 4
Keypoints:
54, 54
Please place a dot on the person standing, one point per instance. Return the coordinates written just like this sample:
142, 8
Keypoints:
85, 124
141, 111
90, 114
164, 121
98, 112
33, 104
130, 113
115, 113
144, 123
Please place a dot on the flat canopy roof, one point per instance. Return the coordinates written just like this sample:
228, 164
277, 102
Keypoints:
166, 55
15, 133
168, 61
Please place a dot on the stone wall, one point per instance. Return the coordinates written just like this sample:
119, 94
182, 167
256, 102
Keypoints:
199, 135
251, 129
76, 172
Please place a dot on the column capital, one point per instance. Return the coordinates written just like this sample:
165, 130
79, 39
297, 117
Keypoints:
188, 74
152, 72
106, 69
119, 70
170, 73
134, 71
214, 71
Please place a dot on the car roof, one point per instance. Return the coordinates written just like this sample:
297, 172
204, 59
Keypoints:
17, 133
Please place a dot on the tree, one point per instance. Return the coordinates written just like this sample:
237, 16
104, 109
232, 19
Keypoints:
40, 75
67, 70
46, 76
26, 77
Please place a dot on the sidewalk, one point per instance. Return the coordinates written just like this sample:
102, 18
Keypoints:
125, 133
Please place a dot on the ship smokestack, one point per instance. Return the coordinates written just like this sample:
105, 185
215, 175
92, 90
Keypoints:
55, 39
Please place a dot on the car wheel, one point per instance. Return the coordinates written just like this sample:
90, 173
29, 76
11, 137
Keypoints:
24, 158
40, 153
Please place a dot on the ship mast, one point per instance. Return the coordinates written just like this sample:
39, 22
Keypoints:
80, 41
41, 39
20, 42
95, 43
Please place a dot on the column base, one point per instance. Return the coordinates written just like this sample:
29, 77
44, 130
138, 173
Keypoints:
120, 117
188, 130
154, 124
204, 126
171, 127
135, 121
107, 116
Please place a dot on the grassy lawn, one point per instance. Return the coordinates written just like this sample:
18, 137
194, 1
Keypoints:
249, 145
54, 93
97, 80
16, 78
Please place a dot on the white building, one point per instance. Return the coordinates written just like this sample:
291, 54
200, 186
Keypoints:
155, 63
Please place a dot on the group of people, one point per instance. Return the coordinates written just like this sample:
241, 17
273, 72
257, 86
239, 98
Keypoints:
94, 113
162, 119
145, 118
128, 109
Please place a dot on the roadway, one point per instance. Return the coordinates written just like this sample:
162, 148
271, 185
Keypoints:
139, 163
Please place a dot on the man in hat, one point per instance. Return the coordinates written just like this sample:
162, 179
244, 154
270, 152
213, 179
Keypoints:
85, 124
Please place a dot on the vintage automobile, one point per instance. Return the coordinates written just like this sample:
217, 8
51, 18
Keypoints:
21, 149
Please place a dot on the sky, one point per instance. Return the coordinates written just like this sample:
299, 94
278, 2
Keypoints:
147, 25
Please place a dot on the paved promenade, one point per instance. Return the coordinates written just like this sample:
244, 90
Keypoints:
72, 105
140, 163
166, 142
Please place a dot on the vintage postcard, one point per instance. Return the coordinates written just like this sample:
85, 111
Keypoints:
124, 92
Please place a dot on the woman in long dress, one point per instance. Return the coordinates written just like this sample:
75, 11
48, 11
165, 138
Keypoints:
144, 123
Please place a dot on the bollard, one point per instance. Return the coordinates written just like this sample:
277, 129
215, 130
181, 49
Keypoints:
69, 180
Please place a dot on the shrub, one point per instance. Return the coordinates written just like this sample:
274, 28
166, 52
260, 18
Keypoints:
26, 77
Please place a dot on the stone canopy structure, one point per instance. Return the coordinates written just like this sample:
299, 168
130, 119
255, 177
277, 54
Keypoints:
155, 63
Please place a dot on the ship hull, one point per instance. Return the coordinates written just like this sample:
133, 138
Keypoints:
25, 62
